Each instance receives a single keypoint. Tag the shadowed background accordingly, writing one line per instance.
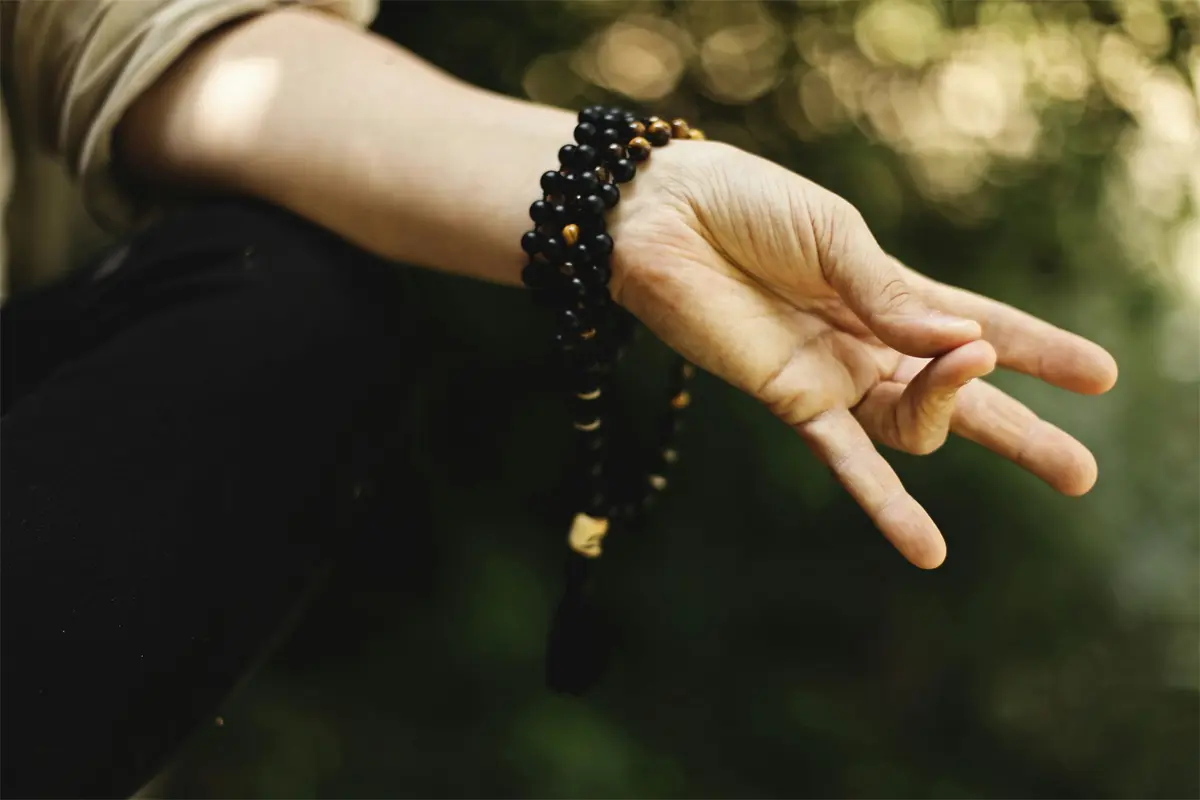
(1047, 154)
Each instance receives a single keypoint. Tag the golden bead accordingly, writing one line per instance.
(587, 426)
(679, 128)
(652, 120)
(696, 133)
(660, 126)
(658, 482)
(571, 234)
(592, 395)
(639, 129)
(681, 400)
(590, 333)
(639, 142)
(586, 534)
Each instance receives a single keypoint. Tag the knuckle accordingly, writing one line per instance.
(894, 295)
(837, 227)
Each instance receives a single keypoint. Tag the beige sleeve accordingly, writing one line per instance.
(78, 65)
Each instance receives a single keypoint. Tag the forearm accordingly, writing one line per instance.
(355, 134)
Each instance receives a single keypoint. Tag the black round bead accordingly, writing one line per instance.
(542, 212)
(591, 224)
(671, 426)
(659, 138)
(601, 244)
(563, 342)
(623, 170)
(552, 248)
(610, 194)
(592, 114)
(608, 136)
(581, 254)
(614, 117)
(575, 289)
(566, 155)
(551, 182)
(597, 505)
(561, 216)
(586, 157)
(584, 132)
(531, 242)
(587, 183)
(649, 500)
(595, 274)
(569, 320)
(534, 275)
(598, 297)
(630, 130)
(593, 204)
(613, 152)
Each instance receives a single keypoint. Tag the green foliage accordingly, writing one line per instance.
(774, 644)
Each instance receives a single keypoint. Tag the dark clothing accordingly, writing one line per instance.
(186, 427)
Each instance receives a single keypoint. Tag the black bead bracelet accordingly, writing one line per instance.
(568, 271)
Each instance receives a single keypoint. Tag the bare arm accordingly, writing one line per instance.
(355, 134)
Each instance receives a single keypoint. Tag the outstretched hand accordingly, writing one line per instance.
(777, 286)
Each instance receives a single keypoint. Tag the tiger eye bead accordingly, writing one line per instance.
(659, 133)
(638, 128)
(639, 148)
(696, 134)
(570, 234)
(613, 152)
(680, 128)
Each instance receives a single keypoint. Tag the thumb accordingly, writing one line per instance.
(878, 290)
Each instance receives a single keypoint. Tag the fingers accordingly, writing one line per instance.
(837, 438)
(989, 417)
(1027, 344)
(878, 289)
(916, 417)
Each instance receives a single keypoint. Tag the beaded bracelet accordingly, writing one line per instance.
(569, 270)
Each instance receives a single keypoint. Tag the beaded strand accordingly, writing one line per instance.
(569, 271)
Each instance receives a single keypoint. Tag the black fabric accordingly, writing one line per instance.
(186, 427)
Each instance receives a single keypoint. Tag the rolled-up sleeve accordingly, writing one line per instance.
(78, 65)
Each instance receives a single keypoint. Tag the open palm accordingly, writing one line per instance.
(777, 286)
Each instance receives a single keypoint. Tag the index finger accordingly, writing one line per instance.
(838, 440)
(1027, 344)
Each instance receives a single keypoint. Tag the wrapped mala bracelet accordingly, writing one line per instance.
(569, 271)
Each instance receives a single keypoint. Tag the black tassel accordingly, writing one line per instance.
(580, 641)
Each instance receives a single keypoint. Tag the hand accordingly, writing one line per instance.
(777, 285)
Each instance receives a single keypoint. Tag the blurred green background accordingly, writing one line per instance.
(1047, 154)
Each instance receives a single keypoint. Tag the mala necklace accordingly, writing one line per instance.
(568, 271)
